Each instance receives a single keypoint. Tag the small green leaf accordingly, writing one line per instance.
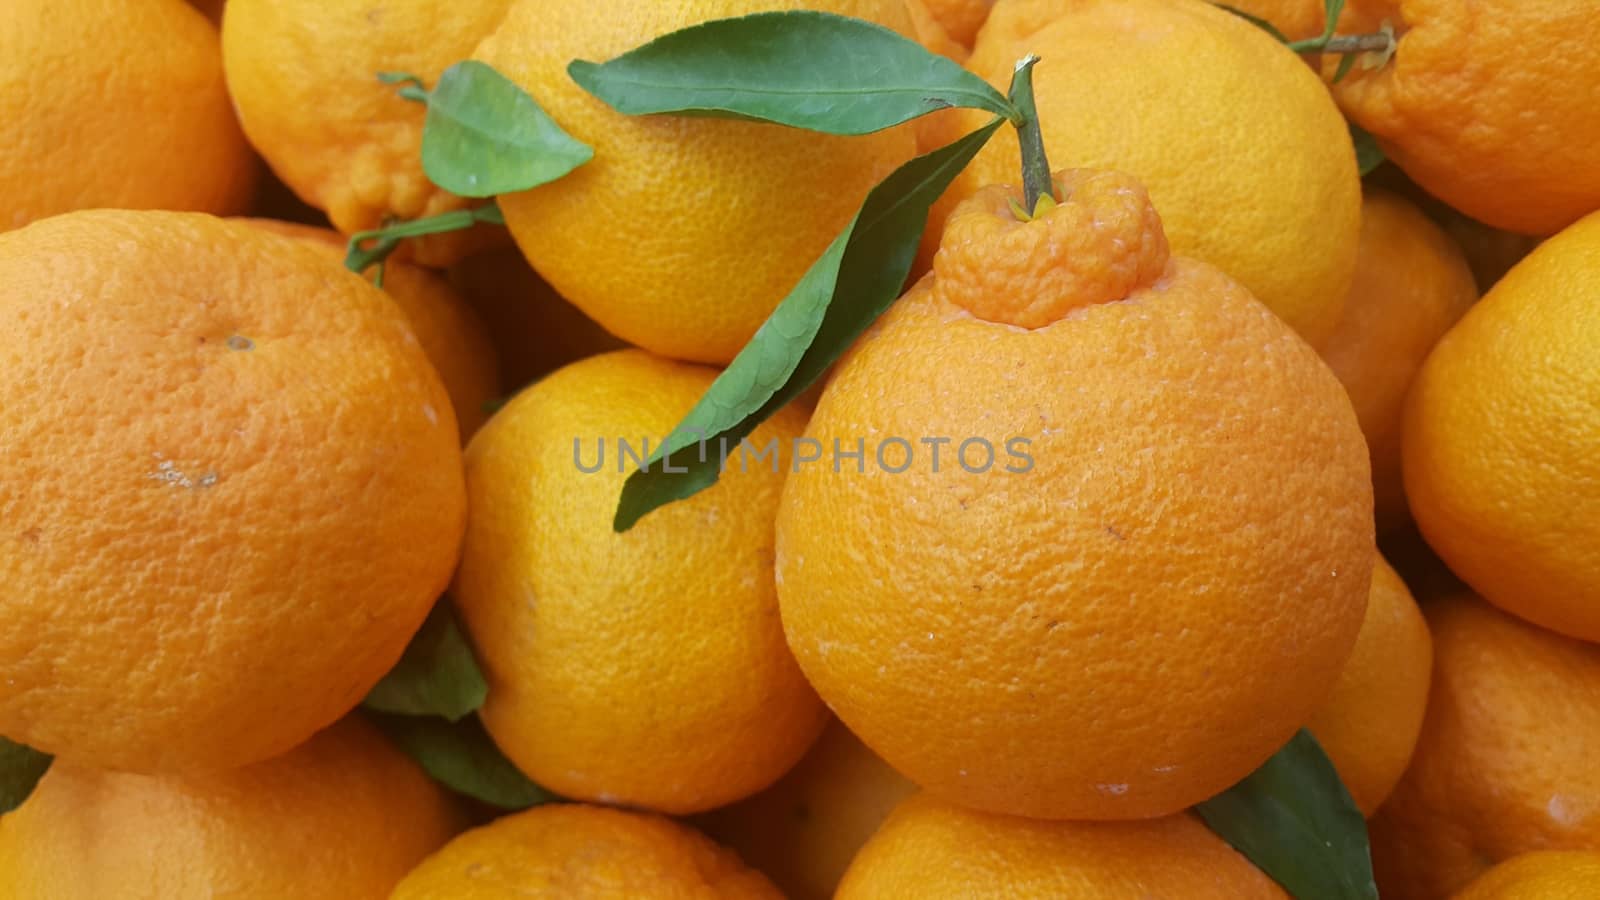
(1331, 11)
(1369, 155)
(1346, 63)
(359, 256)
(20, 769)
(1257, 21)
(843, 292)
(437, 675)
(462, 757)
(1294, 819)
(484, 135)
(805, 69)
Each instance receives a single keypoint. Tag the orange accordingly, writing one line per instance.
(930, 32)
(1485, 104)
(1490, 252)
(212, 8)
(1247, 159)
(646, 668)
(1411, 285)
(234, 490)
(1294, 19)
(1549, 875)
(534, 330)
(1500, 433)
(304, 76)
(960, 19)
(1143, 554)
(1369, 725)
(584, 853)
(343, 817)
(804, 830)
(109, 104)
(1505, 763)
(931, 850)
(683, 233)
(449, 331)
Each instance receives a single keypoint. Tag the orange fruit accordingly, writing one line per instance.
(960, 19)
(111, 104)
(1411, 285)
(343, 817)
(666, 238)
(1547, 875)
(1369, 725)
(584, 853)
(1251, 171)
(932, 850)
(235, 490)
(1490, 252)
(449, 331)
(1505, 761)
(1294, 19)
(304, 76)
(1530, 162)
(804, 830)
(930, 33)
(211, 8)
(1499, 438)
(1142, 558)
(646, 668)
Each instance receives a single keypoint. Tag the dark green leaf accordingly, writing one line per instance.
(843, 292)
(20, 769)
(805, 69)
(1331, 11)
(1259, 22)
(1294, 819)
(1369, 155)
(437, 676)
(462, 757)
(486, 136)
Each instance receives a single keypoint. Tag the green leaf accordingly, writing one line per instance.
(437, 676)
(20, 769)
(805, 69)
(486, 136)
(1294, 819)
(1257, 21)
(462, 757)
(1369, 155)
(1346, 63)
(843, 292)
(1331, 11)
(359, 256)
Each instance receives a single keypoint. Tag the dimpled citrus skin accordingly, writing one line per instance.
(1505, 763)
(235, 490)
(931, 850)
(303, 74)
(1251, 170)
(960, 19)
(1485, 104)
(804, 830)
(1546, 875)
(449, 331)
(664, 237)
(1295, 19)
(343, 817)
(134, 115)
(1135, 619)
(646, 668)
(1411, 285)
(1500, 432)
(574, 852)
(1369, 725)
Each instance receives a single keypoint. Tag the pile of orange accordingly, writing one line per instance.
(1128, 488)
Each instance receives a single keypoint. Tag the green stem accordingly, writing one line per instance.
(1036, 178)
(360, 257)
(1380, 41)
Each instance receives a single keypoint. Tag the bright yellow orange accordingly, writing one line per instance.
(109, 104)
(804, 830)
(682, 234)
(646, 668)
(1411, 285)
(1369, 725)
(584, 853)
(1500, 433)
(343, 817)
(1129, 611)
(304, 76)
(1505, 763)
(1485, 103)
(449, 331)
(1252, 169)
(931, 850)
(1547, 875)
(234, 490)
